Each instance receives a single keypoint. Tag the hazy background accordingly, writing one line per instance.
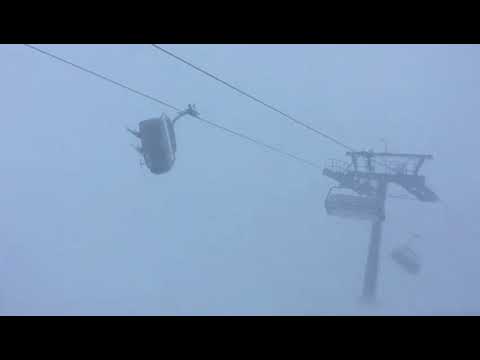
(233, 228)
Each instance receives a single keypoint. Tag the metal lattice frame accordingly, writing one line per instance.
(368, 176)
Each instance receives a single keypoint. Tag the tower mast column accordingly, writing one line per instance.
(372, 266)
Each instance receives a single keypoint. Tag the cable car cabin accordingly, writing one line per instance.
(158, 144)
(345, 203)
(406, 258)
(158, 140)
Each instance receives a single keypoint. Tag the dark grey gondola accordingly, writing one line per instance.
(159, 144)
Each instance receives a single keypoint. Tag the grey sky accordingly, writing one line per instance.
(233, 228)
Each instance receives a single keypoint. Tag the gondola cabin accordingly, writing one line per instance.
(407, 259)
(158, 140)
(345, 203)
(158, 144)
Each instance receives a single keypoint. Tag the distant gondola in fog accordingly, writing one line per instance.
(407, 258)
(158, 141)
(344, 202)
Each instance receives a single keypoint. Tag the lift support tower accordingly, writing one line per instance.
(361, 194)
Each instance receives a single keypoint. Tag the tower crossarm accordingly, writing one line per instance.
(415, 185)
(360, 182)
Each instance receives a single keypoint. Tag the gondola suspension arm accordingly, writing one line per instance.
(190, 110)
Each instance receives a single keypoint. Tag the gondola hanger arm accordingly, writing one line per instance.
(190, 110)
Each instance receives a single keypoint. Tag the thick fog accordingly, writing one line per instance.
(233, 228)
